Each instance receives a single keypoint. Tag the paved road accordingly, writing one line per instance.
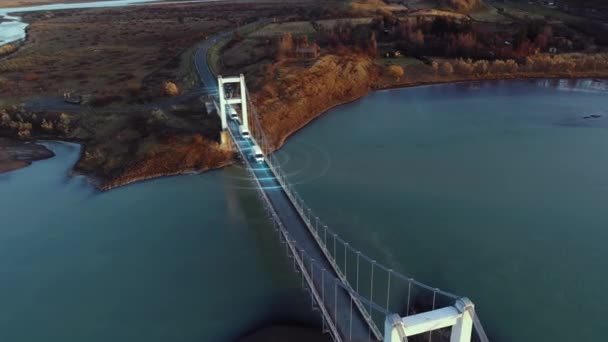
(351, 324)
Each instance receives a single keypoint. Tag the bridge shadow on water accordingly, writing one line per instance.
(287, 315)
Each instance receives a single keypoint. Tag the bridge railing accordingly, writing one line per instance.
(376, 290)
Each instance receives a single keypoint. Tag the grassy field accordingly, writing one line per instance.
(23, 3)
(401, 61)
(331, 23)
(374, 6)
(489, 14)
(127, 53)
(526, 9)
(278, 29)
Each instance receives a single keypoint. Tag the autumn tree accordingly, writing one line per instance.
(396, 71)
(446, 69)
(171, 89)
(286, 46)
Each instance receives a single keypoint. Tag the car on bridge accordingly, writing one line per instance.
(234, 115)
(244, 132)
(257, 154)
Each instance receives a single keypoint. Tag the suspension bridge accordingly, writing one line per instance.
(358, 298)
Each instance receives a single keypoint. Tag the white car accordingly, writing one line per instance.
(257, 154)
(234, 116)
(244, 132)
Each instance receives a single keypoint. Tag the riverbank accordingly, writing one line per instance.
(343, 101)
(121, 148)
(200, 156)
(297, 97)
(18, 154)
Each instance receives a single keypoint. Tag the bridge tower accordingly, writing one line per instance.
(460, 317)
(227, 103)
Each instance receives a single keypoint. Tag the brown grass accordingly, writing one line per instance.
(293, 94)
(104, 51)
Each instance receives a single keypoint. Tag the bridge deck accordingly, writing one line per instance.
(337, 300)
(350, 323)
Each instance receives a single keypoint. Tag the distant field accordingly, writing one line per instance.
(402, 61)
(437, 13)
(277, 29)
(328, 24)
(370, 6)
(23, 3)
(531, 10)
(298, 28)
(107, 52)
(489, 14)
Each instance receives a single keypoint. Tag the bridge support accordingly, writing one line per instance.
(222, 111)
(227, 103)
(459, 317)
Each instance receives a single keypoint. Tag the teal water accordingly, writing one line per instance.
(188, 258)
(491, 190)
(495, 190)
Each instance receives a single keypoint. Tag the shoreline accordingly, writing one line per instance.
(15, 154)
(283, 139)
(152, 176)
(110, 185)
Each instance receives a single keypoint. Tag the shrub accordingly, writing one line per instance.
(63, 123)
(446, 69)
(47, 125)
(157, 116)
(435, 66)
(8, 48)
(171, 89)
(396, 71)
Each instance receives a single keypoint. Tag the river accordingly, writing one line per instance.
(493, 190)
(188, 258)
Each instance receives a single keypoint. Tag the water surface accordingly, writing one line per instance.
(189, 258)
(492, 190)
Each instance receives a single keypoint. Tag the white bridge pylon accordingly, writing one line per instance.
(242, 100)
(460, 317)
